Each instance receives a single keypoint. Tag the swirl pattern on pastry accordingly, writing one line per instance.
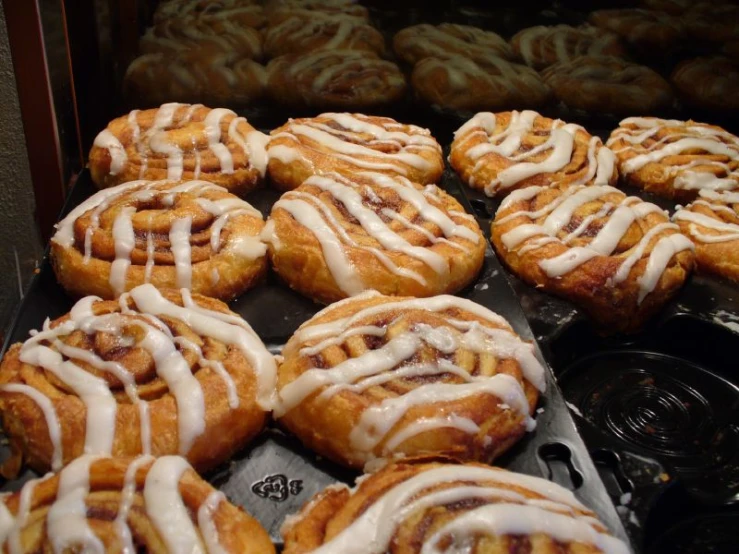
(335, 79)
(709, 83)
(498, 153)
(98, 504)
(617, 257)
(459, 83)
(348, 143)
(712, 223)
(610, 85)
(336, 236)
(412, 44)
(278, 11)
(191, 235)
(650, 32)
(156, 372)
(180, 142)
(177, 9)
(379, 377)
(675, 159)
(425, 506)
(542, 46)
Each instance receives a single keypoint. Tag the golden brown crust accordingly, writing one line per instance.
(349, 143)
(383, 377)
(435, 260)
(459, 83)
(412, 44)
(652, 33)
(708, 83)
(620, 268)
(675, 159)
(180, 142)
(120, 342)
(712, 223)
(235, 530)
(611, 85)
(549, 152)
(340, 509)
(335, 79)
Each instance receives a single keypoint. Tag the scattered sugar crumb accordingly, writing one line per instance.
(633, 520)
(575, 409)
(728, 324)
(504, 406)
(625, 499)
(483, 286)
(727, 315)
(540, 411)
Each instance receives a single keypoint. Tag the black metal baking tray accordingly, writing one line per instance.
(275, 475)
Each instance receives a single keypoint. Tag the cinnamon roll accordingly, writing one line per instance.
(191, 235)
(708, 83)
(650, 33)
(180, 141)
(348, 143)
(461, 84)
(278, 11)
(99, 504)
(335, 79)
(337, 236)
(617, 257)
(302, 34)
(192, 77)
(156, 372)
(610, 85)
(712, 22)
(412, 44)
(675, 159)
(380, 377)
(498, 153)
(177, 9)
(712, 223)
(542, 46)
(427, 506)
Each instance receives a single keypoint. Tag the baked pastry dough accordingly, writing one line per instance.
(412, 44)
(712, 223)
(127, 505)
(675, 159)
(498, 153)
(335, 79)
(279, 10)
(650, 33)
(348, 143)
(211, 78)
(709, 83)
(712, 22)
(191, 235)
(542, 46)
(180, 141)
(305, 34)
(427, 506)
(461, 84)
(335, 236)
(177, 9)
(156, 372)
(617, 257)
(610, 85)
(380, 377)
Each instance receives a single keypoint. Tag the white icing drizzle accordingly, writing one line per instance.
(721, 231)
(207, 526)
(179, 238)
(566, 42)
(127, 496)
(117, 151)
(125, 241)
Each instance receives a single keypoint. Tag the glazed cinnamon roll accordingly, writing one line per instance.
(617, 257)
(180, 141)
(675, 159)
(380, 377)
(191, 235)
(412, 44)
(177, 9)
(155, 372)
(650, 33)
(498, 153)
(461, 84)
(349, 143)
(709, 83)
(712, 223)
(335, 79)
(608, 85)
(542, 46)
(278, 11)
(99, 504)
(430, 507)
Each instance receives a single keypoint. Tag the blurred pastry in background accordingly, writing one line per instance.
(461, 84)
(279, 10)
(335, 79)
(675, 159)
(217, 79)
(412, 44)
(649, 33)
(542, 46)
(335, 32)
(712, 22)
(673, 7)
(709, 83)
(174, 9)
(500, 152)
(610, 85)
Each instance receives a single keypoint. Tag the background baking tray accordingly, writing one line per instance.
(274, 476)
